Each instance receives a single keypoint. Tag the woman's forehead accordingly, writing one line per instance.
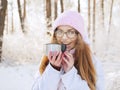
(65, 27)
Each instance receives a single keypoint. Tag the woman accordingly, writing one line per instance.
(76, 68)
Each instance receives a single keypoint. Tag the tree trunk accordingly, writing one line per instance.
(62, 7)
(110, 16)
(7, 21)
(102, 8)
(24, 12)
(20, 15)
(55, 9)
(89, 20)
(48, 12)
(78, 5)
(3, 9)
(12, 21)
(24, 15)
(94, 12)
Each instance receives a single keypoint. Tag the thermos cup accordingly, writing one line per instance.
(55, 47)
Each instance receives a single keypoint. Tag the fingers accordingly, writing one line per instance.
(65, 60)
(55, 58)
(68, 59)
(59, 58)
(55, 54)
(49, 56)
(69, 56)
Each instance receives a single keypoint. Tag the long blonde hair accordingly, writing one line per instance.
(83, 62)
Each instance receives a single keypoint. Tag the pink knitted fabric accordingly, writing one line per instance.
(73, 19)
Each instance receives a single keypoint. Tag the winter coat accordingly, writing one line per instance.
(52, 79)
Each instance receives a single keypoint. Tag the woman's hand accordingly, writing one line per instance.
(55, 59)
(68, 61)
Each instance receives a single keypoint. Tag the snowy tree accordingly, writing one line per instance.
(3, 8)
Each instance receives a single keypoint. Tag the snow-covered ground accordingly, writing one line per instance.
(17, 77)
(21, 77)
(112, 75)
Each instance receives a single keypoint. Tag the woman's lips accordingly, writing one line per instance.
(68, 46)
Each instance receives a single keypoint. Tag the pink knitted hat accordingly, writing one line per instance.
(73, 19)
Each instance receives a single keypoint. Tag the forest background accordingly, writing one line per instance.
(26, 26)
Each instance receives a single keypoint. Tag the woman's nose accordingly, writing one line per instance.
(64, 37)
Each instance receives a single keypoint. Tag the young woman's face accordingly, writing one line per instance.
(66, 35)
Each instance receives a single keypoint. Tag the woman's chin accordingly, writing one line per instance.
(68, 49)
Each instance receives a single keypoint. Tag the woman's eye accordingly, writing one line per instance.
(71, 32)
(59, 31)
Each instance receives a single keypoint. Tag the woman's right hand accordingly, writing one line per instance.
(55, 59)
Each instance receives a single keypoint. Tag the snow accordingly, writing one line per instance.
(22, 51)
(17, 77)
(112, 75)
(21, 76)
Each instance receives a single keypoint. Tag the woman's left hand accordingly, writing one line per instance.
(68, 61)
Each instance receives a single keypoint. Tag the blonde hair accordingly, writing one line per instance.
(83, 62)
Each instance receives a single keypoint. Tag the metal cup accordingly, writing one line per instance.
(52, 47)
(55, 47)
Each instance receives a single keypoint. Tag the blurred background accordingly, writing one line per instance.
(26, 26)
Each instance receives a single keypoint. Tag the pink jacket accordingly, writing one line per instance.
(52, 79)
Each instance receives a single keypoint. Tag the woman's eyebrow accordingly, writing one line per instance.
(71, 29)
(67, 29)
